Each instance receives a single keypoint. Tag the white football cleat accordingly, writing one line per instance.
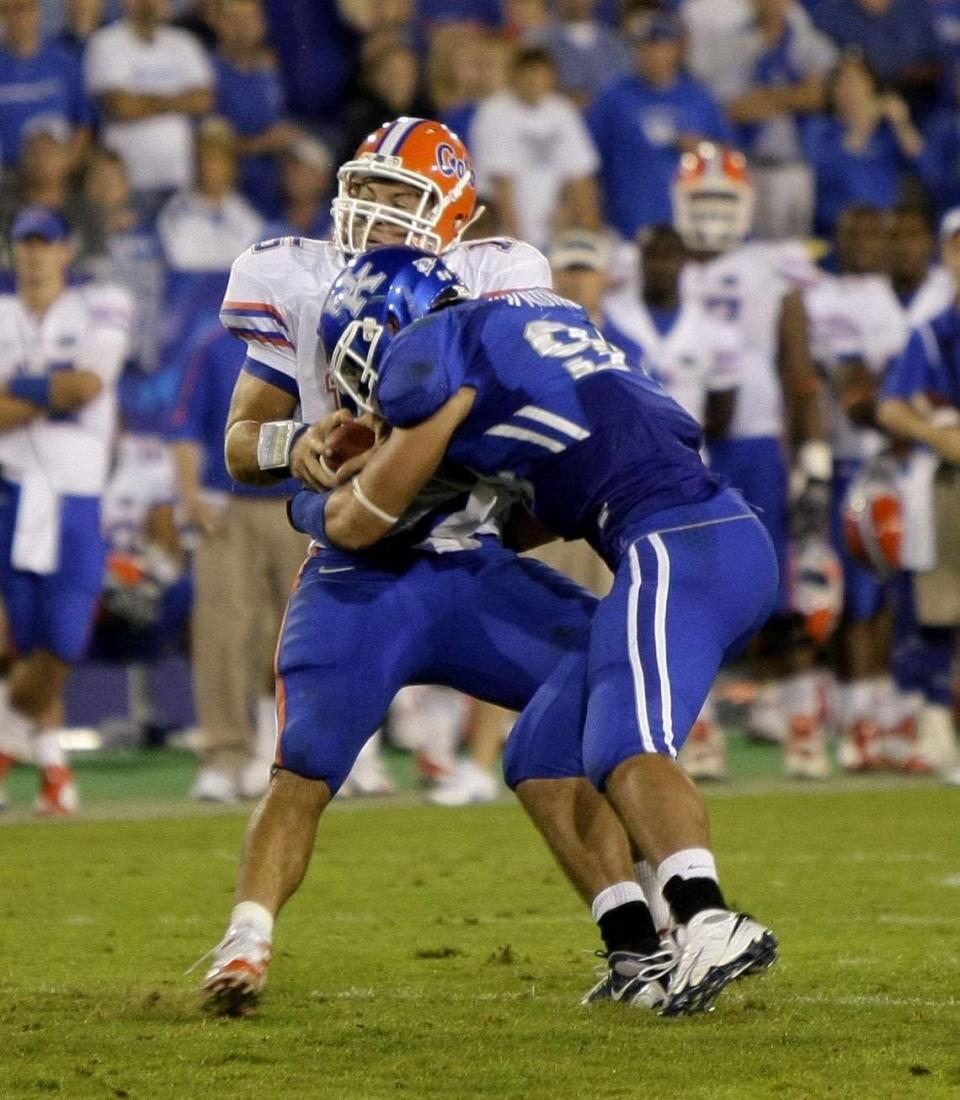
(717, 946)
(704, 756)
(805, 753)
(239, 972)
(213, 785)
(637, 980)
(468, 784)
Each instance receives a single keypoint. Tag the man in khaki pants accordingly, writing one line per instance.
(245, 562)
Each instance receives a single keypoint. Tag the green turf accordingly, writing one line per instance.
(437, 953)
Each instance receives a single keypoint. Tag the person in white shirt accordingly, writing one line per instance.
(535, 159)
(203, 228)
(61, 350)
(150, 81)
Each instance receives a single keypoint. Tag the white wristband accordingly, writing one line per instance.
(275, 443)
(815, 459)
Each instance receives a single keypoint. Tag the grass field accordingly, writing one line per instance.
(438, 953)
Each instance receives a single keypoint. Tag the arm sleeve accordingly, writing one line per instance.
(105, 69)
(197, 72)
(107, 343)
(253, 311)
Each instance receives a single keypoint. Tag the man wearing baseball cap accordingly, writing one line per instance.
(60, 354)
(643, 122)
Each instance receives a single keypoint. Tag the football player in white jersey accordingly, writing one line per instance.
(410, 182)
(857, 326)
(757, 286)
(694, 355)
(697, 358)
(923, 286)
(61, 350)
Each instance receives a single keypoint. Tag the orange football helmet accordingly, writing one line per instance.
(713, 199)
(816, 587)
(873, 517)
(422, 154)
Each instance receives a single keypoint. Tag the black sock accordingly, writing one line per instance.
(689, 896)
(629, 927)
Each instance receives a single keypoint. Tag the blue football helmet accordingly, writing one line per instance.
(376, 295)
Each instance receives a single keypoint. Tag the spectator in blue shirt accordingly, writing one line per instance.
(588, 55)
(642, 124)
(250, 95)
(40, 83)
(859, 149)
(896, 37)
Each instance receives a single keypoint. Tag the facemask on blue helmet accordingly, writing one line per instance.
(377, 295)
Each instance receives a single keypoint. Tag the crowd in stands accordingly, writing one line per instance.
(171, 135)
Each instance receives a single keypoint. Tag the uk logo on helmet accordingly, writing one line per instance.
(449, 163)
(355, 289)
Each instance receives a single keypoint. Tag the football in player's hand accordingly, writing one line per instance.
(347, 441)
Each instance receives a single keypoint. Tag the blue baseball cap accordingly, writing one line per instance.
(39, 221)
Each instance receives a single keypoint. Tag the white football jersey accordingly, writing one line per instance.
(699, 355)
(854, 316)
(277, 290)
(746, 288)
(143, 478)
(86, 328)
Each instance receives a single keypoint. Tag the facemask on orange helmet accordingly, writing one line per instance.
(423, 155)
(816, 587)
(713, 199)
(873, 517)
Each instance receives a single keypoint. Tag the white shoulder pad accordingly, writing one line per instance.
(268, 285)
(498, 263)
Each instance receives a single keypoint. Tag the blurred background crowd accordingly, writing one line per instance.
(173, 134)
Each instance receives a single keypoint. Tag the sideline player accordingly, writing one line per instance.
(757, 286)
(521, 386)
(857, 326)
(425, 614)
(61, 350)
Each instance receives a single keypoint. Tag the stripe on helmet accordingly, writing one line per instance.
(398, 133)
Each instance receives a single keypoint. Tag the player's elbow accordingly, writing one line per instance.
(349, 536)
(888, 415)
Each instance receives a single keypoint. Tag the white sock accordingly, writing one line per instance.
(690, 863)
(800, 697)
(49, 751)
(253, 915)
(613, 896)
(657, 903)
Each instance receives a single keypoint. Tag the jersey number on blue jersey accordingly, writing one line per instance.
(583, 352)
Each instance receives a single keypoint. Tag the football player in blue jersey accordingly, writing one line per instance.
(521, 389)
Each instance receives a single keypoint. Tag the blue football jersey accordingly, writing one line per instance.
(593, 442)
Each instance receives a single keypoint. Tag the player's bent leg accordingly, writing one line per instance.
(276, 853)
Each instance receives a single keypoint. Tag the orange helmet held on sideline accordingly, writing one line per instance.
(713, 199)
(873, 518)
(816, 587)
(422, 154)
